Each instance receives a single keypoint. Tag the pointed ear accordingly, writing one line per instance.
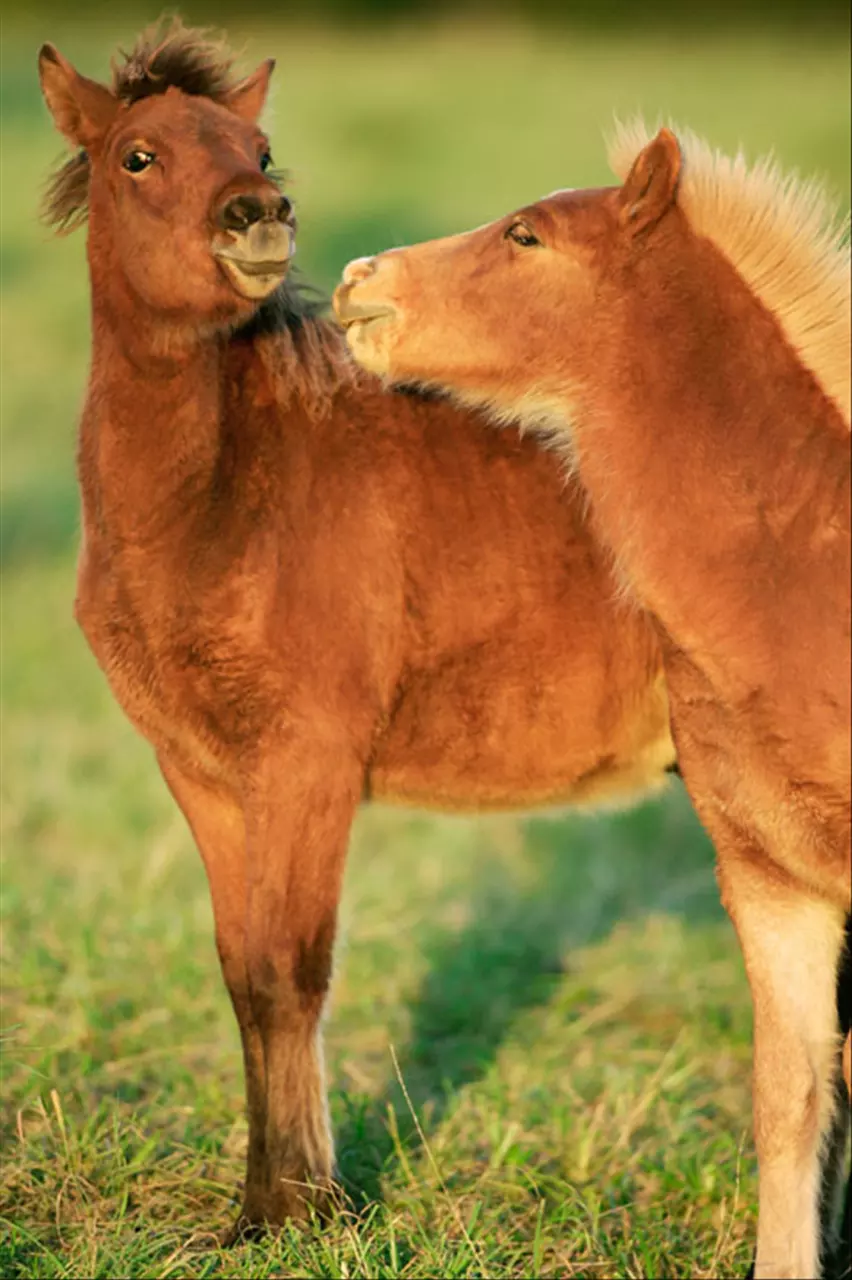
(247, 98)
(651, 185)
(81, 108)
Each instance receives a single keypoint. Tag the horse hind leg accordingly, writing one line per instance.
(835, 1190)
(836, 1187)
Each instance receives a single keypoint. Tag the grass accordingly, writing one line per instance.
(539, 1036)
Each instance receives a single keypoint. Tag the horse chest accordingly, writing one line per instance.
(184, 685)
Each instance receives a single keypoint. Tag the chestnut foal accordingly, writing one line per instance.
(303, 589)
(686, 338)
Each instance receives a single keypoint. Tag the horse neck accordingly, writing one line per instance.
(152, 424)
(718, 462)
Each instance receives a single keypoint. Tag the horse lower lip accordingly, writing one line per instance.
(274, 268)
(349, 321)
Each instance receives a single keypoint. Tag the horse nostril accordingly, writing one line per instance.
(241, 212)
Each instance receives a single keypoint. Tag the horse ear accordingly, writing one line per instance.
(81, 108)
(651, 185)
(247, 98)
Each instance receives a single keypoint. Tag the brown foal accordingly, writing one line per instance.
(685, 337)
(304, 589)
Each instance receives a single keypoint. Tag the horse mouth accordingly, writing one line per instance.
(369, 336)
(356, 317)
(277, 267)
(358, 326)
(252, 277)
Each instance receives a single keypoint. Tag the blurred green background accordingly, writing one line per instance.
(565, 996)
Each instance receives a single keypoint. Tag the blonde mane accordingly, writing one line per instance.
(781, 234)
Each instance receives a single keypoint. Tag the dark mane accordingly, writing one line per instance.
(302, 349)
(313, 354)
(166, 55)
(285, 310)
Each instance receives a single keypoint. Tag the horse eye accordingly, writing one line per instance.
(138, 160)
(265, 161)
(521, 234)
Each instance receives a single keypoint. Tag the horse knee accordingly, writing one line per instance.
(232, 960)
(312, 964)
(289, 979)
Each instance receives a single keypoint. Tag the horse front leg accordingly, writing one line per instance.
(791, 942)
(217, 823)
(299, 808)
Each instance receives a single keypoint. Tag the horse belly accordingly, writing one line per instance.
(473, 736)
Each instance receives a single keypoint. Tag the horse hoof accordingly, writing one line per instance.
(316, 1207)
(243, 1231)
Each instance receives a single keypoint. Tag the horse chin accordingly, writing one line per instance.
(370, 341)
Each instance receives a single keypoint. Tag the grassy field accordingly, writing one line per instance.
(562, 1000)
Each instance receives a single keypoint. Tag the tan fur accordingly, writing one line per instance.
(782, 234)
(692, 326)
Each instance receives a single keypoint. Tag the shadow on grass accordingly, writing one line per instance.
(582, 876)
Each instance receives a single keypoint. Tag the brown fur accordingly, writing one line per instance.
(684, 337)
(304, 590)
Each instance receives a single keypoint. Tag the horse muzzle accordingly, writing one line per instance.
(256, 258)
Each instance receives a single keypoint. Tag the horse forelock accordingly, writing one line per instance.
(169, 55)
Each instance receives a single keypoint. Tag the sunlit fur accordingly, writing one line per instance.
(783, 235)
